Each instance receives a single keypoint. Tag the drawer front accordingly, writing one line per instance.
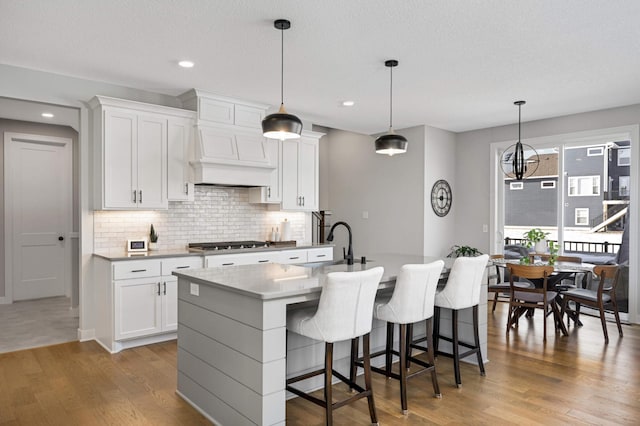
(242, 259)
(320, 254)
(293, 256)
(180, 264)
(136, 269)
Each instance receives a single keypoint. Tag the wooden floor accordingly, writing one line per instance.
(571, 380)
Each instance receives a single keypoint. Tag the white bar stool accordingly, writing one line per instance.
(412, 301)
(343, 313)
(462, 291)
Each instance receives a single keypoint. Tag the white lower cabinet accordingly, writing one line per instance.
(139, 300)
(138, 307)
(293, 256)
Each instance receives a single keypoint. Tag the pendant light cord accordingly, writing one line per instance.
(391, 98)
(519, 118)
(282, 66)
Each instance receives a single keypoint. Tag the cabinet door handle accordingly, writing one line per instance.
(186, 188)
(158, 289)
(135, 193)
(138, 270)
(164, 288)
(302, 199)
(182, 267)
(141, 196)
(321, 255)
(263, 261)
(294, 258)
(269, 192)
(227, 264)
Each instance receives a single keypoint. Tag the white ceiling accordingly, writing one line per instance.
(462, 62)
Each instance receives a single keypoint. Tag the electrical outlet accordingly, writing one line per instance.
(194, 289)
(485, 228)
(365, 214)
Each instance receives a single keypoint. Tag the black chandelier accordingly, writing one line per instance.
(513, 161)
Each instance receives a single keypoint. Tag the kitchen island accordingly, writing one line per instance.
(232, 343)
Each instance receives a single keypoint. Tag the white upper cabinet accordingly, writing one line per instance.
(273, 192)
(131, 153)
(179, 182)
(300, 172)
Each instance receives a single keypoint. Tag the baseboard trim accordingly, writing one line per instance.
(5, 301)
(85, 335)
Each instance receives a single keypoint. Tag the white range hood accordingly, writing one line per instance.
(229, 147)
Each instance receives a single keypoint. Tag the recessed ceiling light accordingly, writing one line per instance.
(47, 115)
(348, 103)
(186, 64)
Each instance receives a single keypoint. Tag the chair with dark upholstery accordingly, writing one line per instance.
(598, 298)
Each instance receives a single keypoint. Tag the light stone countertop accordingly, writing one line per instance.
(122, 254)
(275, 281)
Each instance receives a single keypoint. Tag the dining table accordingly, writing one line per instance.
(562, 270)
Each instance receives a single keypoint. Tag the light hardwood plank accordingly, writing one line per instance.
(575, 379)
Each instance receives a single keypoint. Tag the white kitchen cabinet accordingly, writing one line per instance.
(137, 307)
(293, 256)
(300, 173)
(322, 254)
(273, 192)
(130, 153)
(253, 258)
(179, 140)
(139, 300)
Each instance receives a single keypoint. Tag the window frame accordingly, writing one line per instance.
(599, 149)
(594, 179)
(576, 216)
(513, 186)
(552, 182)
(626, 156)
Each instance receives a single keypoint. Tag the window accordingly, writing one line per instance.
(624, 157)
(547, 184)
(582, 216)
(580, 186)
(623, 186)
(516, 185)
(595, 151)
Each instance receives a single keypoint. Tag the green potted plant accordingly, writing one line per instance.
(536, 238)
(153, 238)
(464, 251)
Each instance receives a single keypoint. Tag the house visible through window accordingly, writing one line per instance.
(623, 186)
(546, 184)
(516, 185)
(582, 216)
(594, 151)
(584, 186)
(624, 157)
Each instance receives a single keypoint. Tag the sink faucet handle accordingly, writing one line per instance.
(344, 253)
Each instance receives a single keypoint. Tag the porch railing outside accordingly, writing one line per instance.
(576, 246)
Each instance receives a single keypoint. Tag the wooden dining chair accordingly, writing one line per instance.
(604, 294)
(522, 299)
(498, 282)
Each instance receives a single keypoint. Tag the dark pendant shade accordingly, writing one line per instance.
(281, 125)
(391, 143)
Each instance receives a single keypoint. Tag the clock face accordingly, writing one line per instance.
(441, 198)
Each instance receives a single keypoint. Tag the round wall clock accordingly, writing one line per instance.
(441, 197)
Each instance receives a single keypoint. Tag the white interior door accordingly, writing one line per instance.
(38, 215)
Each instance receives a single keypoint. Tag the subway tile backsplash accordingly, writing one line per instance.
(216, 214)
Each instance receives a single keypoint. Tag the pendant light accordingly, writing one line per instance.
(281, 125)
(513, 161)
(391, 143)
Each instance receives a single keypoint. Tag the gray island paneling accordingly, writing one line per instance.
(232, 344)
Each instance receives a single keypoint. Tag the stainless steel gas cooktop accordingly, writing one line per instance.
(226, 245)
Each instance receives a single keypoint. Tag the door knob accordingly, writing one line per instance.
(60, 238)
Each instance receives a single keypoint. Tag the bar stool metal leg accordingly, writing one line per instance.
(476, 336)
(367, 378)
(328, 368)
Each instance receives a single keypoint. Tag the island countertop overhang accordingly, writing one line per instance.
(276, 281)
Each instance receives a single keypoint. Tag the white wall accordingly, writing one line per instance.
(394, 191)
(473, 166)
(440, 163)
